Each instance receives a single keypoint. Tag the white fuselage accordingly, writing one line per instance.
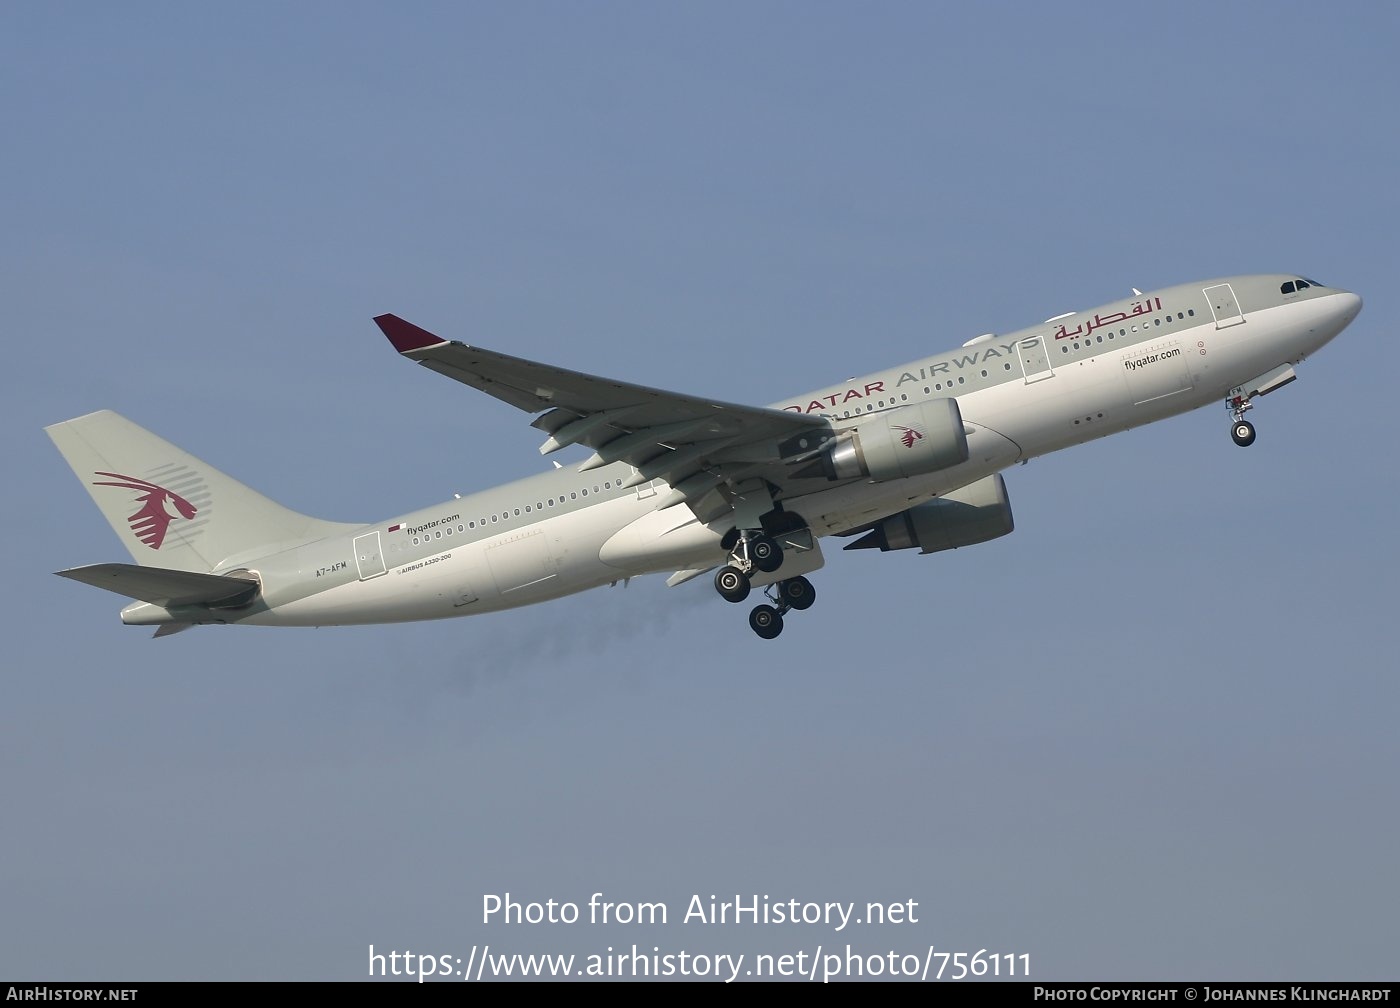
(1032, 392)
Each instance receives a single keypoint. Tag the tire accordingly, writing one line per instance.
(1243, 433)
(732, 584)
(766, 621)
(798, 593)
(765, 553)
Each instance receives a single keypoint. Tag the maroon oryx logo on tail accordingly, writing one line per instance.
(151, 520)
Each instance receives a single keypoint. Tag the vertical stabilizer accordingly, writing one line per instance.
(169, 508)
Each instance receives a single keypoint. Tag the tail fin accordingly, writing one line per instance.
(170, 509)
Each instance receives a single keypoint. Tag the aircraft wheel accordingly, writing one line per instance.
(765, 553)
(1243, 433)
(798, 593)
(732, 584)
(766, 621)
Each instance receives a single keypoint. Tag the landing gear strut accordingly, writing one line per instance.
(752, 551)
(1241, 430)
(794, 593)
(757, 551)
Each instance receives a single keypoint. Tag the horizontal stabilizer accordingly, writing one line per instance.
(163, 587)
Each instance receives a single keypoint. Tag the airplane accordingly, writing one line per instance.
(909, 457)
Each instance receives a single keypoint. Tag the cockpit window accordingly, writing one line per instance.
(1309, 283)
(1288, 288)
(1302, 284)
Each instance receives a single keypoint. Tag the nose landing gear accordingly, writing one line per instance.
(1243, 433)
(1241, 430)
(1240, 401)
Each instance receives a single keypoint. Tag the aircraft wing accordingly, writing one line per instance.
(694, 444)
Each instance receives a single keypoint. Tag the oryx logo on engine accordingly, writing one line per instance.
(910, 435)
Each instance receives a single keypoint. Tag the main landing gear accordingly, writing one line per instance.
(1241, 430)
(757, 551)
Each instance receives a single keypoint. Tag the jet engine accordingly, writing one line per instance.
(976, 513)
(894, 444)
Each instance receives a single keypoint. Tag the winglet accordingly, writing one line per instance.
(406, 336)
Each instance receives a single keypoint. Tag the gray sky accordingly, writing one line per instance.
(1148, 736)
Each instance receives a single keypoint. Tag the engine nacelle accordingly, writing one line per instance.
(894, 444)
(978, 512)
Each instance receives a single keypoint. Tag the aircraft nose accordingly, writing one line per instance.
(1351, 304)
(1345, 305)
